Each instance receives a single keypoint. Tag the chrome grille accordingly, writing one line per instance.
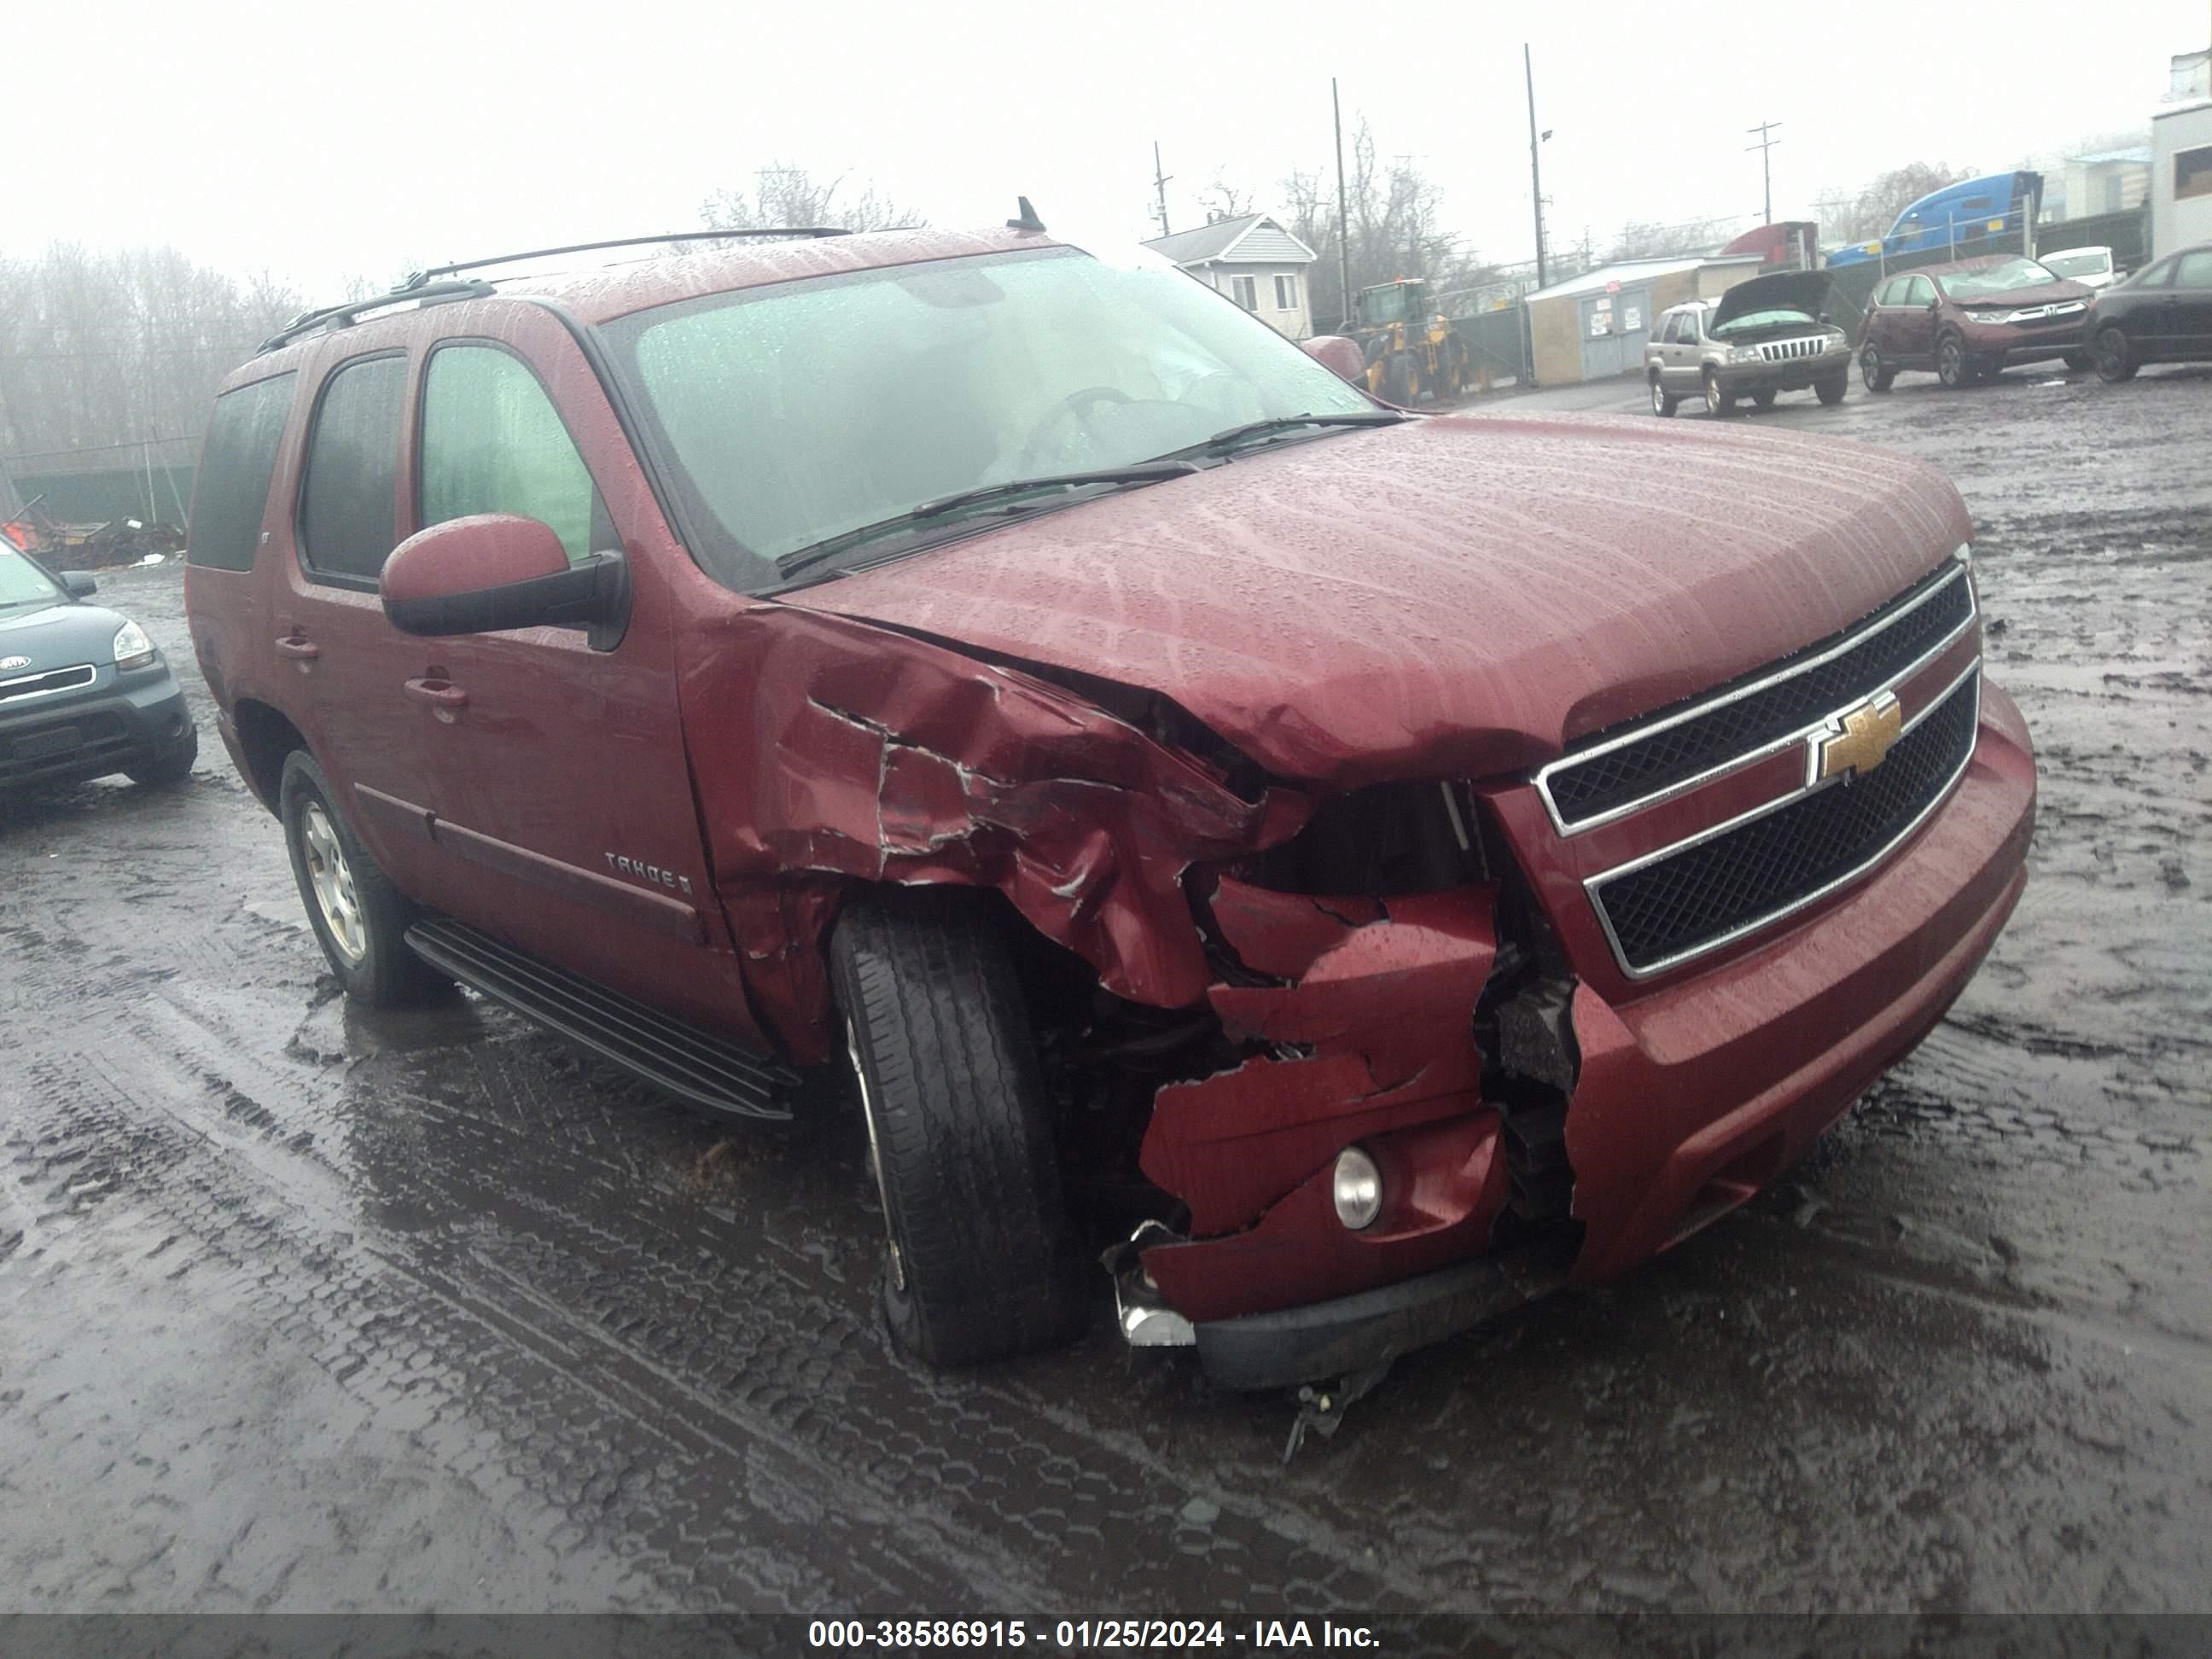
(1718, 886)
(1783, 351)
(1664, 753)
(38, 685)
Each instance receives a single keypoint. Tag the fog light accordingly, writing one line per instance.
(1358, 1188)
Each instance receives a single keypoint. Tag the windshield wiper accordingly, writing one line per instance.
(1236, 434)
(805, 558)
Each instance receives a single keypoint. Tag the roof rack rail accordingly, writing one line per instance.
(419, 285)
(416, 279)
(345, 316)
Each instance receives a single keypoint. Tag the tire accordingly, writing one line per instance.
(1874, 372)
(1398, 379)
(1954, 366)
(362, 925)
(172, 766)
(1662, 401)
(1763, 398)
(2116, 354)
(982, 1263)
(1716, 401)
(1832, 390)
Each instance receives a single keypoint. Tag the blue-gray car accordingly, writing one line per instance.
(83, 691)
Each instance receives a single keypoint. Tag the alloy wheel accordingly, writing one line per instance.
(2112, 348)
(331, 877)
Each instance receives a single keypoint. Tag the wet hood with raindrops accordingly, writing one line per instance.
(1461, 596)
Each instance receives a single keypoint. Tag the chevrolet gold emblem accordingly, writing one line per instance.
(1868, 732)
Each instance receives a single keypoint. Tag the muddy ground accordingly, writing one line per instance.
(301, 1309)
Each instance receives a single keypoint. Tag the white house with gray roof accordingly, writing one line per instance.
(1254, 261)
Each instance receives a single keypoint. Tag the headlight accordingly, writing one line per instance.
(132, 648)
(1990, 318)
(1358, 1188)
(1743, 354)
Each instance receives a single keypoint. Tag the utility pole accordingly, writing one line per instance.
(1765, 161)
(1160, 185)
(1535, 172)
(1343, 239)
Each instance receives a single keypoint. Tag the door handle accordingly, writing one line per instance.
(446, 699)
(292, 645)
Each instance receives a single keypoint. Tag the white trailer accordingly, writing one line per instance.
(2180, 175)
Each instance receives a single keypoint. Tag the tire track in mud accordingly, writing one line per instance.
(742, 1357)
(639, 1378)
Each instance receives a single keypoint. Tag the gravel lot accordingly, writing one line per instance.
(306, 1310)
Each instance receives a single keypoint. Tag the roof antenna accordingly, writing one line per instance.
(1028, 221)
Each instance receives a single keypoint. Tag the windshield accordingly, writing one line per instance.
(795, 412)
(2094, 264)
(1778, 317)
(1997, 279)
(23, 582)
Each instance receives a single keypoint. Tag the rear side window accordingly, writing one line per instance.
(235, 467)
(353, 471)
(493, 442)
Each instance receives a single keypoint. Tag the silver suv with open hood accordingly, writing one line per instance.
(1769, 335)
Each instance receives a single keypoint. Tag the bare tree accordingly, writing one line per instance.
(1642, 240)
(102, 352)
(1223, 200)
(1875, 209)
(784, 195)
(1393, 228)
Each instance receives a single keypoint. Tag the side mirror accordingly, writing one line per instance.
(1934, 306)
(1340, 356)
(493, 571)
(80, 584)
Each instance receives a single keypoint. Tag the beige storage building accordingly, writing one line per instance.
(1595, 325)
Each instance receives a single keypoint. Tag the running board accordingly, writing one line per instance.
(695, 1065)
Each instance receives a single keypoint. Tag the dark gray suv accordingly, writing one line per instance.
(83, 692)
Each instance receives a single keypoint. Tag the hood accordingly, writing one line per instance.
(1786, 290)
(2042, 294)
(1459, 596)
(60, 635)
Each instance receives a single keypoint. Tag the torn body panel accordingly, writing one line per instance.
(844, 753)
(1369, 1040)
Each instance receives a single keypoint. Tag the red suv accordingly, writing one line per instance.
(1372, 867)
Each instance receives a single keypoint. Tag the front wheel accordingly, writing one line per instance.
(982, 1262)
(1831, 390)
(1877, 374)
(1717, 402)
(172, 766)
(358, 916)
(1663, 402)
(2116, 356)
(1953, 366)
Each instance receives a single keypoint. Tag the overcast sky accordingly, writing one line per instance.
(323, 142)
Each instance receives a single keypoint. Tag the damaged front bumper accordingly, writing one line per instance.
(1682, 1096)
